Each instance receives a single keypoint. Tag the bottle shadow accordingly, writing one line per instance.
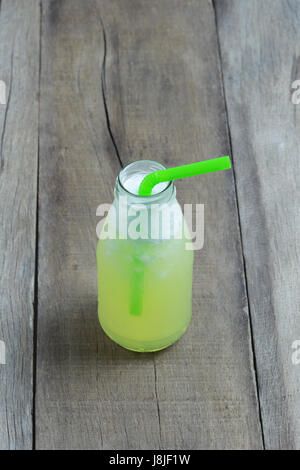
(74, 337)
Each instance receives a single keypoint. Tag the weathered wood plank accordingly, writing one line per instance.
(164, 95)
(164, 101)
(19, 69)
(260, 44)
(90, 393)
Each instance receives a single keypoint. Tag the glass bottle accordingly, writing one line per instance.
(144, 268)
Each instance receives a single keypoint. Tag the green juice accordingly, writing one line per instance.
(145, 291)
(144, 266)
(145, 258)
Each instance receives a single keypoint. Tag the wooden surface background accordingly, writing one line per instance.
(91, 86)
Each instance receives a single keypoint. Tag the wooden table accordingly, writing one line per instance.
(91, 86)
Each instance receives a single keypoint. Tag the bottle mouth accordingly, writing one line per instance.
(132, 175)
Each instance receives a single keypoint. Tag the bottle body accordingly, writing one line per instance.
(145, 287)
(166, 292)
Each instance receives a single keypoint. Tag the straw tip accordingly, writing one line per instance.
(147, 184)
(227, 161)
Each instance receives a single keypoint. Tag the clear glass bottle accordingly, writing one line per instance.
(144, 268)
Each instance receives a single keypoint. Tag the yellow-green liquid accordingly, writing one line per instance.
(145, 291)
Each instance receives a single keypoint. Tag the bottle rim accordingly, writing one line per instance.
(152, 197)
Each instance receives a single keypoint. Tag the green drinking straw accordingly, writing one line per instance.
(184, 171)
(145, 189)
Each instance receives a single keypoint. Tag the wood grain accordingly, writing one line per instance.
(260, 44)
(165, 101)
(126, 80)
(91, 394)
(19, 69)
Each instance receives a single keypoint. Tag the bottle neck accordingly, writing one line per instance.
(162, 194)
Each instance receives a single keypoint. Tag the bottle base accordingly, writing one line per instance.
(145, 346)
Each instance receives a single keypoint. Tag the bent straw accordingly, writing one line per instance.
(145, 189)
(137, 284)
(184, 171)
